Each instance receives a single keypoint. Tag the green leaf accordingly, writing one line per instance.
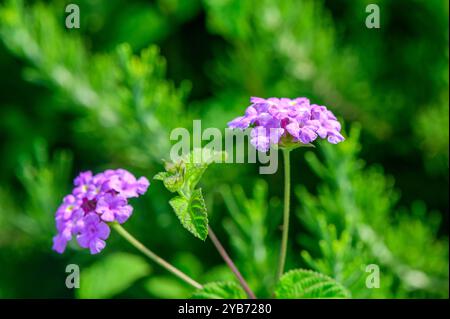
(192, 213)
(184, 175)
(161, 176)
(220, 290)
(301, 283)
(111, 275)
(172, 182)
(167, 287)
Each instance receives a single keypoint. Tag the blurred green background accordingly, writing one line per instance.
(107, 95)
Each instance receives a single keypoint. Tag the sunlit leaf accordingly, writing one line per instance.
(301, 283)
(220, 290)
(111, 275)
(192, 213)
(167, 287)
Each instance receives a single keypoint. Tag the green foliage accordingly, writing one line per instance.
(251, 227)
(111, 275)
(43, 180)
(220, 290)
(173, 179)
(432, 132)
(301, 283)
(167, 287)
(192, 213)
(350, 224)
(182, 176)
(124, 100)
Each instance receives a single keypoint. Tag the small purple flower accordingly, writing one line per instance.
(126, 184)
(69, 205)
(82, 183)
(306, 133)
(66, 226)
(95, 201)
(59, 243)
(260, 139)
(113, 208)
(93, 234)
(96, 186)
(283, 121)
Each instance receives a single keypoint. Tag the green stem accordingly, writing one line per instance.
(147, 252)
(285, 231)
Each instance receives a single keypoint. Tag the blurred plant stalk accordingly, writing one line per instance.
(147, 252)
(230, 263)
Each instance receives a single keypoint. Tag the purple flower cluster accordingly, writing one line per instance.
(278, 120)
(96, 200)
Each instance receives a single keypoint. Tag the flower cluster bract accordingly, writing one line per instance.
(278, 119)
(96, 200)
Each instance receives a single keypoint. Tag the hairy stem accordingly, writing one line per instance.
(147, 252)
(285, 231)
(230, 263)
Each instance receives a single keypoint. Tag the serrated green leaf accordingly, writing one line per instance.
(160, 176)
(172, 181)
(192, 213)
(220, 290)
(184, 175)
(301, 283)
(111, 275)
